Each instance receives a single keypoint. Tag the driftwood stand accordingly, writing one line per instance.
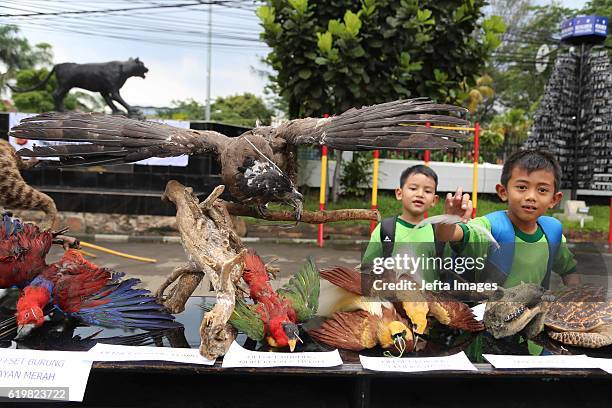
(214, 249)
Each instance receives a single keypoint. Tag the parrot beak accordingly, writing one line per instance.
(293, 335)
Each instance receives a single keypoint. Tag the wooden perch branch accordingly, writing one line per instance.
(310, 217)
(213, 248)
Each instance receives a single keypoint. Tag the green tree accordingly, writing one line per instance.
(480, 98)
(188, 109)
(517, 83)
(40, 100)
(510, 128)
(333, 56)
(245, 109)
(356, 174)
(16, 53)
(242, 109)
(330, 57)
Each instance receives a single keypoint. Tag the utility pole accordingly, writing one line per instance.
(208, 67)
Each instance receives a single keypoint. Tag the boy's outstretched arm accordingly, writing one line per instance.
(457, 204)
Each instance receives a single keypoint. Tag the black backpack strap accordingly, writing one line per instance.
(387, 236)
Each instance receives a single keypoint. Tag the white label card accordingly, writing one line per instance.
(454, 362)
(38, 369)
(238, 356)
(111, 352)
(603, 363)
(552, 361)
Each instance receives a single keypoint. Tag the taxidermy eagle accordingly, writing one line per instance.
(258, 167)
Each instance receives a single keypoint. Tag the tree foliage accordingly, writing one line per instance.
(40, 100)
(517, 83)
(506, 131)
(243, 109)
(188, 109)
(356, 174)
(16, 53)
(480, 97)
(333, 56)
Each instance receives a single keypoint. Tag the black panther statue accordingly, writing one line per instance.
(106, 78)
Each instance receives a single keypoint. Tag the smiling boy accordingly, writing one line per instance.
(417, 192)
(531, 244)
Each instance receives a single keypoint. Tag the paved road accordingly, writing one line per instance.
(595, 267)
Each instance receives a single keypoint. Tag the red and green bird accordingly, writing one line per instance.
(23, 248)
(274, 316)
(90, 295)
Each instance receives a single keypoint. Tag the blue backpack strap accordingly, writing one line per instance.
(503, 232)
(553, 230)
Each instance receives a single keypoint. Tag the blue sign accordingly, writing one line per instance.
(584, 26)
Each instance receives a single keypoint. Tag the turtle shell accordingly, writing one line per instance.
(579, 309)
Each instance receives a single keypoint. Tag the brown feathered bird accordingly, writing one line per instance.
(357, 322)
(258, 166)
(441, 306)
(360, 330)
(349, 286)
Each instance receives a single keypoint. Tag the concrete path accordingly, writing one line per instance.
(594, 264)
(289, 258)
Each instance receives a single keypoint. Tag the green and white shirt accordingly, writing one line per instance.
(530, 255)
(408, 239)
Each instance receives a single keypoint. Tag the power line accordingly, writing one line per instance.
(152, 40)
(107, 11)
(154, 29)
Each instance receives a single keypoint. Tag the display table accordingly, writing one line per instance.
(167, 384)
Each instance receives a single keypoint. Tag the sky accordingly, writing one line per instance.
(171, 41)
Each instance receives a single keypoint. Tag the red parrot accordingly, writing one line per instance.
(23, 248)
(91, 295)
(275, 314)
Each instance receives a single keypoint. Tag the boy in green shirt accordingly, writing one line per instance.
(417, 192)
(530, 185)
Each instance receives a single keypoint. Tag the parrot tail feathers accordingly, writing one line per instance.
(121, 305)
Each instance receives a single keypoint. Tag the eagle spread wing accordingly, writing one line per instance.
(255, 166)
(110, 139)
(397, 125)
